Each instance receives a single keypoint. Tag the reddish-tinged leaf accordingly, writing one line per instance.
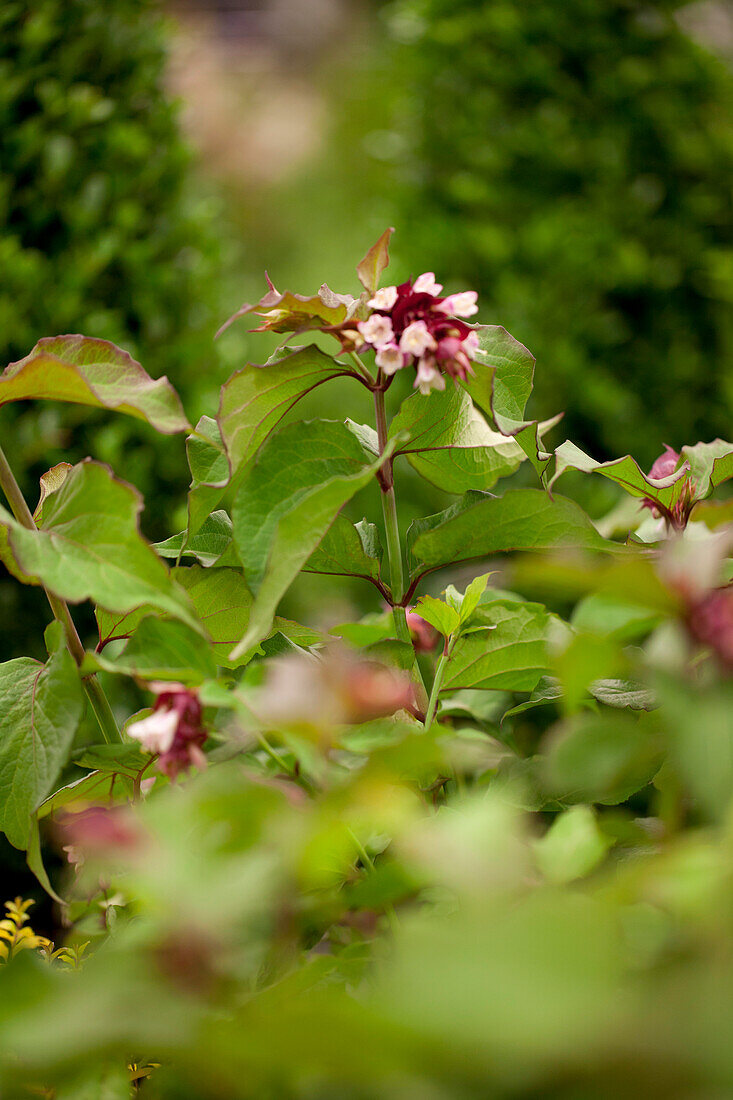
(376, 260)
(93, 372)
(290, 312)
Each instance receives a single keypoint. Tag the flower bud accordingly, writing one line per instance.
(424, 636)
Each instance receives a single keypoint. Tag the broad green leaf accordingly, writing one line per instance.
(625, 472)
(585, 658)
(479, 525)
(96, 786)
(222, 602)
(369, 630)
(50, 482)
(286, 503)
(547, 691)
(90, 547)
(442, 616)
(699, 725)
(710, 465)
(604, 613)
(40, 709)
(376, 260)
(602, 758)
(209, 466)
(505, 387)
(160, 649)
(93, 372)
(624, 693)
(348, 549)
(256, 398)
(127, 759)
(572, 847)
(450, 443)
(509, 654)
(211, 545)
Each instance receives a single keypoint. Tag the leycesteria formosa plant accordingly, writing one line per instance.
(193, 620)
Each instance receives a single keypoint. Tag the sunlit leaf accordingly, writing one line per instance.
(508, 654)
(376, 260)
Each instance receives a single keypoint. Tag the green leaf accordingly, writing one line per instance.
(223, 602)
(605, 613)
(95, 786)
(572, 847)
(509, 654)
(348, 549)
(376, 260)
(93, 372)
(90, 547)
(624, 471)
(440, 615)
(160, 649)
(472, 596)
(286, 503)
(585, 657)
(40, 709)
(504, 388)
(547, 691)
(256, 398)
(710, 465)
(450, 443)
(209, 466)
(211, 545)
(127, 759)
(624, 693)
(602, 758)
(480, 524)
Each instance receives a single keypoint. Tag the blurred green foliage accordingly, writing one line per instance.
(572, 163)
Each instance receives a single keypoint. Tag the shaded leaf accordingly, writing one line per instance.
(209, 466)
(624, 693)
(348, 549)
(211, 545)
(93, 372)
(287, 501)
(480, 524)
(602, 758)
(40, 709)
(160, 649)
(572, 847)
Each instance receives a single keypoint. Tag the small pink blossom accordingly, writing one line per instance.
(428, 376)
(417, 339)
(384, 299)
(174, 730)
(390, 358)
(426, 284)
(460, 305)
(377, 330)
(677, 516)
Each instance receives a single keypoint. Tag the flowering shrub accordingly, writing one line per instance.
(477, 841)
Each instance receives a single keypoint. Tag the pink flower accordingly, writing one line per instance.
(384, 299)
(173, 731)
(390, 358)
(417, 339)
(377, 330)
(678, 515)
(710, 621)
(426, 284)
(460, 305)
(425, 328)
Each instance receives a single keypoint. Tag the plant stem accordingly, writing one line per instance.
(394, 549)
(437, 684)
(368, 862)
(95, 693)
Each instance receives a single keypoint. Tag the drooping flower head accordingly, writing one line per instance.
(412, 325)
(678, 515)
(174, 730)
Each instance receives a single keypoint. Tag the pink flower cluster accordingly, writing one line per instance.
(413, 326)
(710, 621)
(173, 730)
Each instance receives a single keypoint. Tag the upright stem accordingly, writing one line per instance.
(95, 693)
(437, 684)
(394, 549)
